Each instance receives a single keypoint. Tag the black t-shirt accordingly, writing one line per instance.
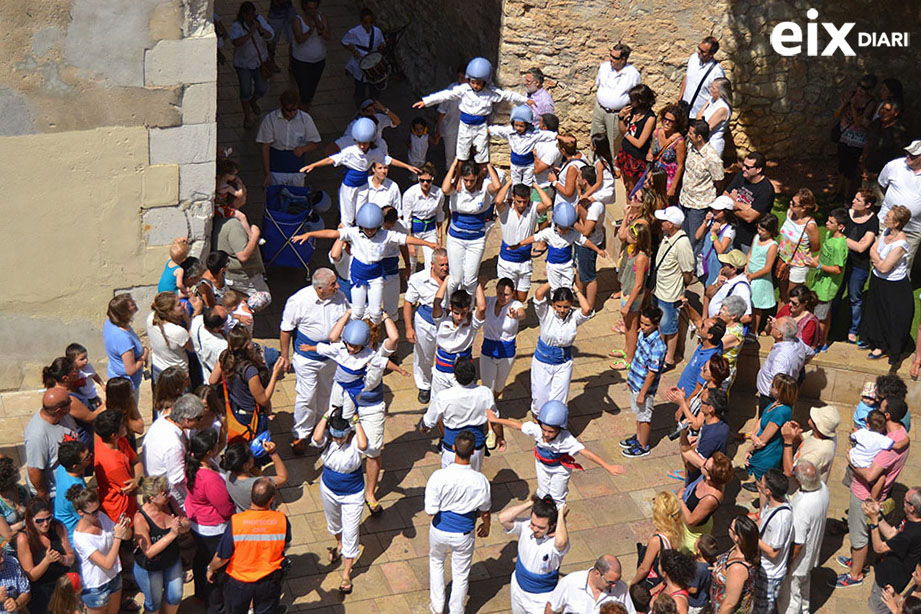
(904, 555)
(760, 196)
(855, 231)
(635, 129)
(241, 399)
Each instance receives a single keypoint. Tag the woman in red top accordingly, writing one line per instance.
(678, 572)
(118, 467)
(802, 302)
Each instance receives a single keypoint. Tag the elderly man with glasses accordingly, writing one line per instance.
(50, 426)
(286, 135)
(614, 80)
(584, 592)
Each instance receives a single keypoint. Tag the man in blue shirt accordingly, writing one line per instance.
(710, 334)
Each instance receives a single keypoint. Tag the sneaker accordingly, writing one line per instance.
(424, 396)
(636, 451)
(845, 581)
(750, 486)
(845, 561)
(629, 442)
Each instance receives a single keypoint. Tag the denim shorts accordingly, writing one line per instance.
(585, 264)
(669, 323)
(99, 596)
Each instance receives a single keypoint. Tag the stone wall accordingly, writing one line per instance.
(782, 106)
(107, 148)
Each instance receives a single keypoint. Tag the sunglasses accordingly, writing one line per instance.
(913, 156)
(616, 58)
(42, 520)
(748, 167)
(426, 180)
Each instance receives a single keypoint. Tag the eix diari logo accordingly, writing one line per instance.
(787, 38)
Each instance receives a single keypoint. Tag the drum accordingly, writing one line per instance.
(375, 67)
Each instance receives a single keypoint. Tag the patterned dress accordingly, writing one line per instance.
(718, 585)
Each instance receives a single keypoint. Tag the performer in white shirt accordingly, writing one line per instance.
(286, 135)
(420, 329)
(518, 221)
(361, 40)
(423, 214)
(522, 138)
(543, 540)
(463, 407)
(308, 317)
(454, 496)
(615, 78)
(477, 98)
(454, 332)
(497, 354)
(393, 274)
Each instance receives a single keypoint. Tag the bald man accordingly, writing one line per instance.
(584, 592)
(50, 426)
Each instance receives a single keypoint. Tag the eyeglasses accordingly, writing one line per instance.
(794, 303)
(913, 156)
(701, 51)
(426, 180)
(44, 520)
(748, 167)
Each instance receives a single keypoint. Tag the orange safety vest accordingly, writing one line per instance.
(258, 544)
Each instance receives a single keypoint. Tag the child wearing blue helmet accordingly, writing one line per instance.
(522, 137)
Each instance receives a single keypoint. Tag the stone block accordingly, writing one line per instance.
(196, 181)
(10, 374)
(162, 225)
(160, 185)
(183, 144)
(188, 60)
(199, 216)
(199, 103)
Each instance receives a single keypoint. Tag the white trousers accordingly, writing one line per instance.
(350, 200)
(553, 481)
(369, 299)
(524, 602)
(794, 595)
(473, 136)
(518, 272)
(428, 235)
(494, 372)
(561, 275)
(549, 383)
(522, 174)
(476, 460)
(313, 380)
(391, 299)
(464, 259)
(450, 147)
(460, 547)
(343, 515)
(423, 353)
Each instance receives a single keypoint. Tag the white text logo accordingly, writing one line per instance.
(787, 38)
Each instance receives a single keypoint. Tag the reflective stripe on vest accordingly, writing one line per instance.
(258, 544)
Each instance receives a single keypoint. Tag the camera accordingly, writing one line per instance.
(677, 432)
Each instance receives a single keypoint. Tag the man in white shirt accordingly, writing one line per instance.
(360, 41)
(286, 135)
(454, 497)
(165, 443)
(420, 329)
(455, 331)
(614, 80)
(901, 180)
(702, 71)
(207, 332)
(776, 528)
(463, 407)
(308, 317)
(810, 508)
(584, 592)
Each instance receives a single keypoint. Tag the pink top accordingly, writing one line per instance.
(891, 461)
(208, 503)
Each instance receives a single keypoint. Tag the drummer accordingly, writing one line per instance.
(360, 41)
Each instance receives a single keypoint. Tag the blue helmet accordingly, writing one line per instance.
(363, 130)
(356, 332)
(522, 113)
(554, 413)
(564, 215)
(369, 216)
(479, 68)
(257, 445)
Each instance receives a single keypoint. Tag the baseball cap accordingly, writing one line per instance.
(914, 148)
(722, 202)
(671, 214)
(826, 419)
(734, 258)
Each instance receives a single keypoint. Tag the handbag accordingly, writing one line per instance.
(836, 132)
(236, 430)
(781, 268)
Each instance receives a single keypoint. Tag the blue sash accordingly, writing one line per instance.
(423, 225)
(559, 255)
(353, 388)
(550, 355)
(469, 226)
(479, 436)
(473, 120)
(302, 339)
(452, 522)
(362, 273)
(344, 483)
(391, 265)
(282, 161)
(368, 398)
(522, 254)
(346, 286)
(498, 349)
(425, 312)
(355, 178)
(531, 582)
(555, 459)
(444, 361)
(522, 159)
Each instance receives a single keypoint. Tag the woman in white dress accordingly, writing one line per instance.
(717, 112)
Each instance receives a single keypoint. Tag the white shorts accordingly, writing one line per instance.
(518, 272)
(372, 422)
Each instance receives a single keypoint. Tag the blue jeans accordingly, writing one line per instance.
(669, 323)
(693, 218)
(153, 583)
(99, 596)
(252, 85)
(585, 260)
(856, 280)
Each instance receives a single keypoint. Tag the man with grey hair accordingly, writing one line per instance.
(165, 444)
(612, 86)
(810, 508)
(308, 317)
(788, 355)
(901, 546)
(534, 85)
(584, 592)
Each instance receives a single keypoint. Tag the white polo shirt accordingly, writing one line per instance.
(417, 204)
(516, 227)
(456, 339)
(371, 249)
(903, 187)
(574, 595)
(421, 288)
(554, 330)
(387, 194)
(500, 327)
(460, 406)
(305, 312)
(457, 488)
(613, 86)
(286, 134)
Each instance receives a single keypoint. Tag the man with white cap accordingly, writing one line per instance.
(810, 508)
(901, 180)
(817, 445)
(732, 281)
(615, 78)
(674, 271)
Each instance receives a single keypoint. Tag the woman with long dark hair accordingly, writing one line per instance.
(733, 579)
(44, 552)
(669, 148)
(120, 397)
(637, 122)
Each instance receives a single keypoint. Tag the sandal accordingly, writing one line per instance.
(617, 353)
(129, 605)
(676, 475)
(334, 555)
(619, 328)
(620, 365)
(345, 587)
(375, 509)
